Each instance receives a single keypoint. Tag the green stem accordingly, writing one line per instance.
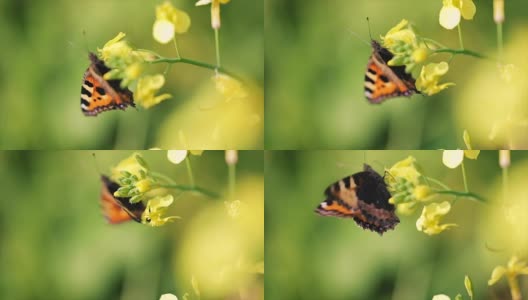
(168, 60)
(188, 188)
(162, 177)
(217, 47)
(232, 180)
(504, 184)
(499, 41)
(441, 184)
(460, 36)
(176, 47)
(459, 51)
(464, 177)
(189, 170)
(463, 194)
(434, 42)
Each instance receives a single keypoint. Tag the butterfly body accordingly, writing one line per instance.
(383, 81)
(364, 197)
(118, 209)
(99, 95)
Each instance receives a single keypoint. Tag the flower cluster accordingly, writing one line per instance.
(407, 48)
(128, 65)
(138, 183)
(413, 52)
(410, 189)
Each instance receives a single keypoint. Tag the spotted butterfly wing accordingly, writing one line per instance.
(383, 81)
(363, 197)
(99, 95)
(118, 209)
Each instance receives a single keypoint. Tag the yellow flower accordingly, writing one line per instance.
(229, 87)
(155, 209)
(215, 10)
(454, 158)
(438, 297)
(431, 216)
(169, 20)
(420, 54)
(452, 10)
(144, 185)
(130, 165)
(515, 267)
(427, 82)
(404, 169)
(115, 48)
(146, 88)
(422, 192)
(401, 32)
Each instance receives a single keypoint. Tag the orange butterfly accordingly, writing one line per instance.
(117, 209)
(98, 94)
(364, 197)
(383, 81)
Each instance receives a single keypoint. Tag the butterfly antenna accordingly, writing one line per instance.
(96, 165)
(358, 37)
(368, 24)
(85, 41)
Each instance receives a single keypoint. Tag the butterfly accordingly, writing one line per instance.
(118, 209)
(364, 197)
(383, 81)
(98, 94)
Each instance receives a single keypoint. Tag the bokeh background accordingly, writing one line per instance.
(56, 244)
(314, 257)
(315, 70)
(45, 54)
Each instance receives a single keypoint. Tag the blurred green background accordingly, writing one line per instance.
(45, 54)
(314, 257)
(56, 244)
(315, 71)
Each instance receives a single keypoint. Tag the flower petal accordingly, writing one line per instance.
(449, 17)
(163, 31)
(468, 9)
(496, 275)
(176, 156)
(452, 158)
(168, 297)
(203, 2)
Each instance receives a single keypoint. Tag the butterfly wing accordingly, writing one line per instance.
(117, 209)
(364, 197)
(98, 94)
(383, 81)
(341, 200)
